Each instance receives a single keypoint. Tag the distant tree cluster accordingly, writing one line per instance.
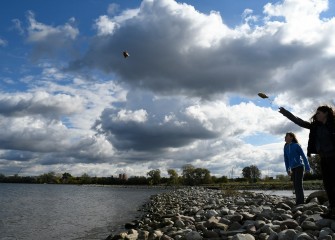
(252, 173)
(195, 176)
(67, 178)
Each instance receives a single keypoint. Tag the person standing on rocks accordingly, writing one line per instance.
(296, 164)
(321, 141)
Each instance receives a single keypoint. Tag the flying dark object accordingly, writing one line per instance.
(125, 54)
(262, 95)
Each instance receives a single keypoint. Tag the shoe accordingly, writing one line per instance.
(330, 214)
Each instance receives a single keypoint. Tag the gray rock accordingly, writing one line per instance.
(259, 223)
(309, 225)
(224, 211)
(273, 236)
(304, 236)
(166, 237)
(288, 234)
(232, 233)
(283, 206)
(225, 221)
(235, 217)
(322, 223)
(248, 216)
(251, 229)
(325, 238)
(193, 236)
(266, 229)
(286, 216)
(143, 235)
(211, 213)
(210, 234)
(256, 209)
(241, 236)
(262, 236)
(158, 233)
(290, 223)
(309, 206)
(131, 237)
(240, 201)
(234, 226)
(179, 224)
(320, 195)
(325, 231)
(220, 226)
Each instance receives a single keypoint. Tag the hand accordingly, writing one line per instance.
(282, 110)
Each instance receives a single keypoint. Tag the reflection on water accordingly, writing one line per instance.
(67, 211)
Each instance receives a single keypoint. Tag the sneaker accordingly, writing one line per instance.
(330, 214)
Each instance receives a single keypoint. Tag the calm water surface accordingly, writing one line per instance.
(283, 193)
(64, 212)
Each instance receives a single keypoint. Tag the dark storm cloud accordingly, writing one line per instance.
(152, 134)
(38, 103)
(31, 139)
(15, 155)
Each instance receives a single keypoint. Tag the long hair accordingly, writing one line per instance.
(294, 137)
(325, 109)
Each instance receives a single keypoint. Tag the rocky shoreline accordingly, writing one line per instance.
(201, 213)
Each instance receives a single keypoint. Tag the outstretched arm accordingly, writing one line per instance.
(295, 119)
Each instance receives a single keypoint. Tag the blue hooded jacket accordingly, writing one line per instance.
(295, 157)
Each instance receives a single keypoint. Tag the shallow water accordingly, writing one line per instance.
(284, 193)
(34, 211)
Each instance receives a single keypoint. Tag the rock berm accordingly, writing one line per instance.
(199, 213)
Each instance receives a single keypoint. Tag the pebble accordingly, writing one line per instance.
(197, 213)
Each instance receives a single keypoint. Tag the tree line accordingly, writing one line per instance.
(190, 176)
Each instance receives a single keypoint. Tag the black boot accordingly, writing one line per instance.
(330, 214)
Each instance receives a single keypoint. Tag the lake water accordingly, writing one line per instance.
(67, 212)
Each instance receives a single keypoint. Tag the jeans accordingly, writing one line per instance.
(327, 164)
(297, 177)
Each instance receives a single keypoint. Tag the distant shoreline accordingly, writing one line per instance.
(286, 185)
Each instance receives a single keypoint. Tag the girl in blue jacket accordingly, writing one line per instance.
(296, 163)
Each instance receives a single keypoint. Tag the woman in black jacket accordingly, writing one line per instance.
(321, 141)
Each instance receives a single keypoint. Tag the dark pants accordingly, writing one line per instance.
(327, 164)
(297, 177)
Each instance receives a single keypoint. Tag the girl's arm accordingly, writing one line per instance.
(306, 163)
(296, 120)
(286, 160)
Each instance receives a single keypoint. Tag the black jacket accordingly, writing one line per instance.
(313, 127)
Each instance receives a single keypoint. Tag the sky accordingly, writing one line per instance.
(187, 93)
